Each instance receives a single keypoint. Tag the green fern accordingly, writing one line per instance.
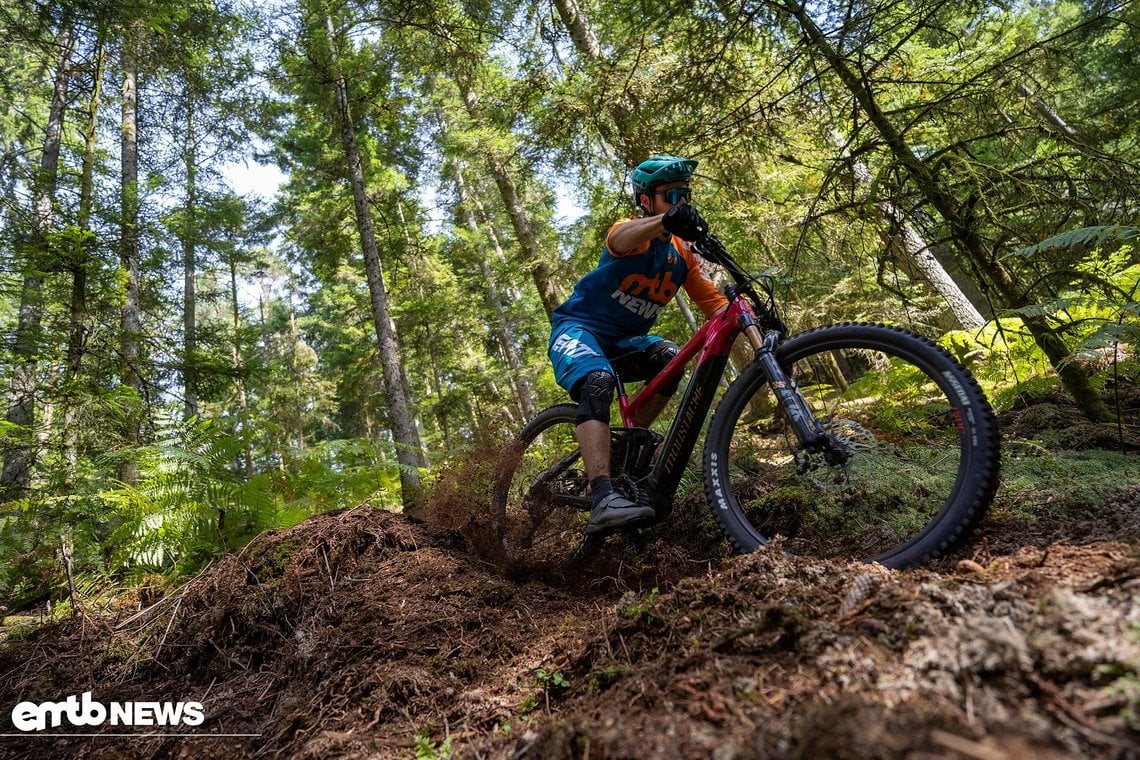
(1085, 236)
(188, 505)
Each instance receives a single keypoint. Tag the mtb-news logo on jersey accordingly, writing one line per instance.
(81, 710)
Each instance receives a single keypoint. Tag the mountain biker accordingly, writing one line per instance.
(644, 261)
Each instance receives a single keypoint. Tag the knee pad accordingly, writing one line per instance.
(660, 354)
(595, 395)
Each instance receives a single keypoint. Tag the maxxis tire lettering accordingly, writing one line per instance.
(978, 470)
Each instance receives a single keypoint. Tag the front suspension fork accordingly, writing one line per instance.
(807, 428)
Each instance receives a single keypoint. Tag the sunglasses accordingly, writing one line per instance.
(675, 195)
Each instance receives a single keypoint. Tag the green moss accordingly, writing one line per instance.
(602, 679)
(642, 610)
(1036, 481)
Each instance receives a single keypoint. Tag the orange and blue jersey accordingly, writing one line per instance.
(615, 304)
(625, 292)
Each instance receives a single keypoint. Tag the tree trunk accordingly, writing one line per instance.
(19, 460)
(614, 111)
(514, 293)
(409, 450)
(298, 410)
(520, 220)
(189, 252)
(502, 329)
(580, 31)
(918, 252)
(236, 363)
(965, 234)
(277, 445)
(77, 333)
(417, 267)
(130, 322)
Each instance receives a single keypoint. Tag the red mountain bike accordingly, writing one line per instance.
(853, 440)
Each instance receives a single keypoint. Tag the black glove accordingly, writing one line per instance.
(683, 221)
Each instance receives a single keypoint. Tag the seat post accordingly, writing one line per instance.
(618, 363)
(623, 401)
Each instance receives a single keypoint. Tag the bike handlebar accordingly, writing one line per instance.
(713, 250)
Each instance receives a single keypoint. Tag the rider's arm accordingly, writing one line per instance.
(632, 236)
(700, 287)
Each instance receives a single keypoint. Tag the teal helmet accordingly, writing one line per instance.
(659, 169)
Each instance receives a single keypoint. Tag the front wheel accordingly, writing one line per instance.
(908, 465)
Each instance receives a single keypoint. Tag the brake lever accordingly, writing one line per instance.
(712, 249)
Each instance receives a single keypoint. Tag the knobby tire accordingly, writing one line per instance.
(922, 440)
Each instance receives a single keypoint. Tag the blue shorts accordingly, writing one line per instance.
(575, 352)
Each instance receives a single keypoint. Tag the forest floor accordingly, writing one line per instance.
(361, 634)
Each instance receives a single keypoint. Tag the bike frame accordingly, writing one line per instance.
(711, 346)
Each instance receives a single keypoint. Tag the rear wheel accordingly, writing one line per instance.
(909, 462)
(541, 498)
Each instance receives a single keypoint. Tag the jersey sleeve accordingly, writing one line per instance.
(700, 287)
(618, 254)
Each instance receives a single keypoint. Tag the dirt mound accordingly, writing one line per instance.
(1053, 419)
(777, 656)
(359, 634)
(350, 634)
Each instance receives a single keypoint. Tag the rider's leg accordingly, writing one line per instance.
(595, 396)
(650, 409)
(611, 509)
(594, 440)
(580, 366)
(582, 369)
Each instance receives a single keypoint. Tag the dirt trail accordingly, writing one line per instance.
(359, 634)
(354, 633)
